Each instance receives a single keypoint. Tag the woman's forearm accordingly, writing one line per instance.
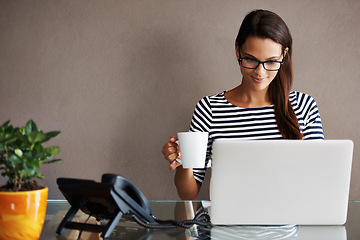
(185, 183)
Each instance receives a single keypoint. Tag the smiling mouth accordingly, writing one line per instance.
(258, 80)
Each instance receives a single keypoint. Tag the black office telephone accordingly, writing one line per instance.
(110, 199)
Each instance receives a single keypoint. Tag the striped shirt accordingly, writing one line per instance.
(223, 120)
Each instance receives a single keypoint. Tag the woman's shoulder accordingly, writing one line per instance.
(301, 99)
(218, 97)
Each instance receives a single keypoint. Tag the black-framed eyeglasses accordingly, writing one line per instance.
(251, 63)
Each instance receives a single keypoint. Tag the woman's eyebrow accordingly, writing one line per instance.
(270, 58)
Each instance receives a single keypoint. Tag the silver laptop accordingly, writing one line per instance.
(280, 182)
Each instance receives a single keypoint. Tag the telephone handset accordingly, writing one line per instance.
(135, 199)
(110, 199)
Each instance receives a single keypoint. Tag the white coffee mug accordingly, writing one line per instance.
(193, 147)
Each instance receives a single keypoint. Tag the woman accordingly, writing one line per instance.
(261, 107)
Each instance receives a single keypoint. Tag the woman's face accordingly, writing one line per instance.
(262, 50)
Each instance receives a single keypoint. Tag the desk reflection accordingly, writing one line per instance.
(184, 210)
(279, 233)
(322, 232)
(219, 233)
(287, 232)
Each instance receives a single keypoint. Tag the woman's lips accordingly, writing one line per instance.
(258, 80)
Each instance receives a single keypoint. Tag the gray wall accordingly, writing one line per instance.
(119, 77)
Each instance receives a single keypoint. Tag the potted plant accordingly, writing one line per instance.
(23, 201)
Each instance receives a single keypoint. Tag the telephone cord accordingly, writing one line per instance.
(201, 219)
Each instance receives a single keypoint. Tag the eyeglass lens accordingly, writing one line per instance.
(268, 65)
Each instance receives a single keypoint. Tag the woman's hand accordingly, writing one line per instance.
(185, 183)
(171, 151)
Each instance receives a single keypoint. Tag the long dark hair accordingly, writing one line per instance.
(268, 25)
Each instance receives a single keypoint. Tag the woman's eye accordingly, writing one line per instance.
(248, 60)
(272, 63)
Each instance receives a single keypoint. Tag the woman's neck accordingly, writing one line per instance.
(243, 97)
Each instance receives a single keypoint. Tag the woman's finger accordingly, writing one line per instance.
(174, 165)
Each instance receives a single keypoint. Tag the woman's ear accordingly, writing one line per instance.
(237, 51)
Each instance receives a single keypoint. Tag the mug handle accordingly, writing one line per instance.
(177, 159)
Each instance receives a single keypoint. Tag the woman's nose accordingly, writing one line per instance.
(260, 69)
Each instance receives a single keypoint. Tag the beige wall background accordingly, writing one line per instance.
(119, 77)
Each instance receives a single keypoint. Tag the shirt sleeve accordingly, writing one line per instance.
(201, 122)
(312, 129)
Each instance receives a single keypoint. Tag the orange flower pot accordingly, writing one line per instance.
(22, 214)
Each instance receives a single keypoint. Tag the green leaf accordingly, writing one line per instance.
(27, 173)
(9, 139)
(18, 152)
(39, 175)
(5, 124)
(22, 140)
(52, 134)
(31, 127)
(35, 137)
(28, 155)
(52, 161)
(15, 159)
(33, 164)
(7, 135)
(38, 148)
(52, 151)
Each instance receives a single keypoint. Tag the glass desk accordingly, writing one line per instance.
(182, 210)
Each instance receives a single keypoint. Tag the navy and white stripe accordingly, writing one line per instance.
(223, 120)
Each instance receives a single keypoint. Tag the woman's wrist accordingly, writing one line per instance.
(185, 183)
